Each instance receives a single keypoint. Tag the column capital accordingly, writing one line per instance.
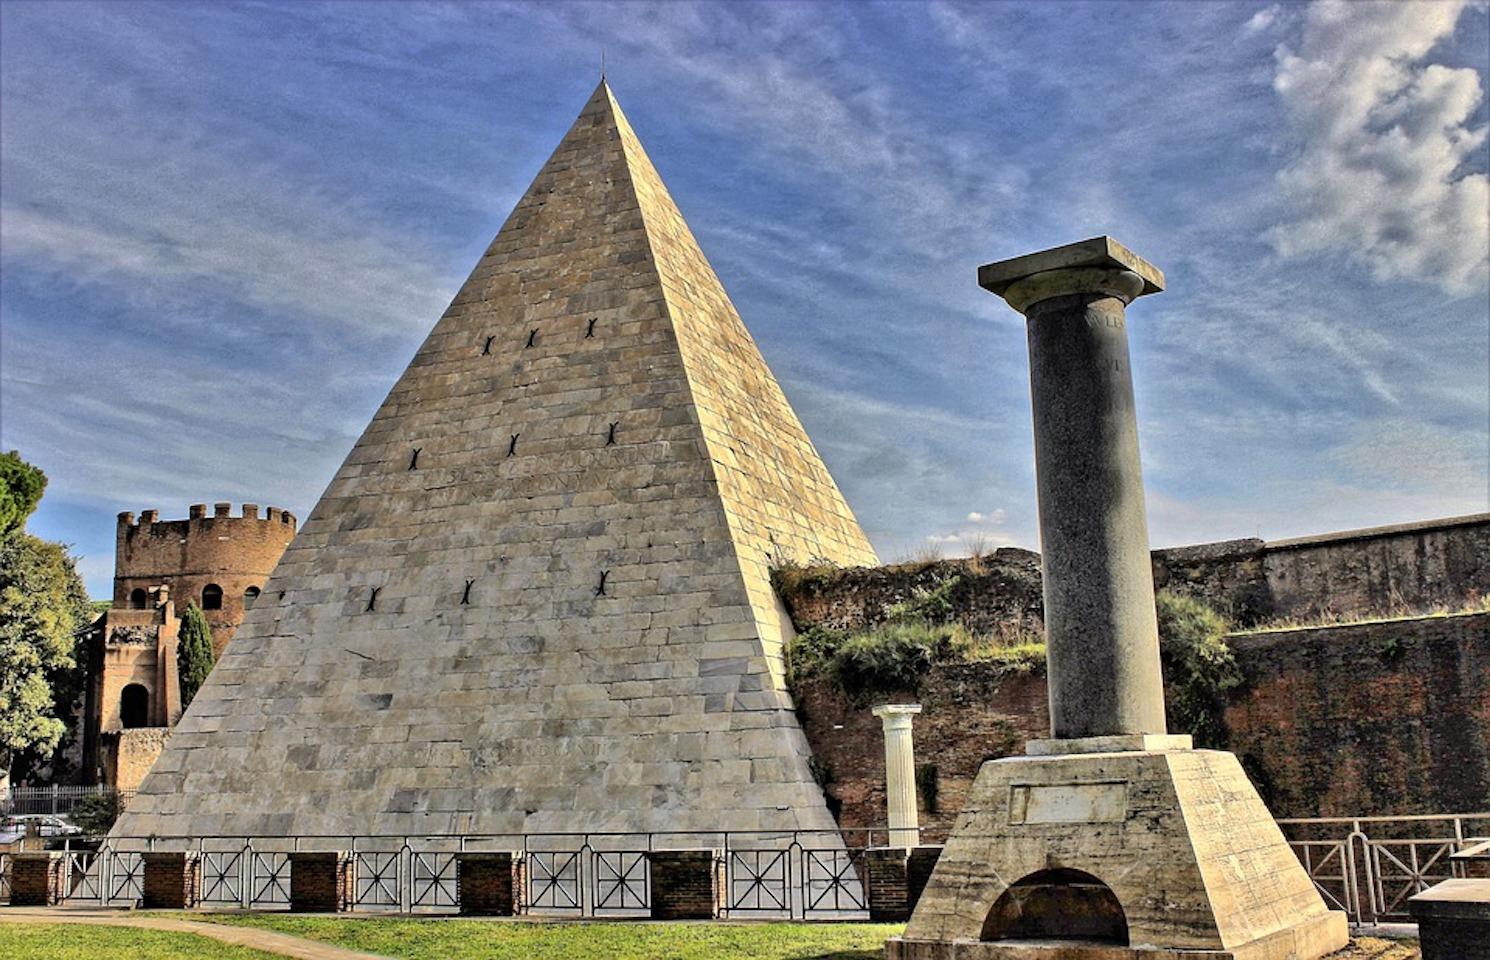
(896, 713)
(1099, 265)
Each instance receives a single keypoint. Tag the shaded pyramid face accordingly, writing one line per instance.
(556, 616)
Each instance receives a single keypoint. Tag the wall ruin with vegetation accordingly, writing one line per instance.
(1382, 716)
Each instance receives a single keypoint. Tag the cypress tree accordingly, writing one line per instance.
(193, 653)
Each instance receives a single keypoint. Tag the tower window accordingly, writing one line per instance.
(137, 598)
(249, 596)
(212, 597)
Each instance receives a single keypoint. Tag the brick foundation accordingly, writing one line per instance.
(894, 879)
(36, 879)
(322, 882)
(489, 884)
(1454, 920)
(173, 881)
(686, 884)
(918, 867)
(885, 885)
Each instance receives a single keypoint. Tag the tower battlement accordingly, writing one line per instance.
(221, 511)
(211, 558)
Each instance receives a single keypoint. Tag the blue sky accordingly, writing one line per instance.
(224, 229)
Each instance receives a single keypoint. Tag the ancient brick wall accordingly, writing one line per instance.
(971, 713)
(1402, 569)
(1398, 570)
(991, 592)
(1388, 717)
(686, 884)
(129, 754)
(233, 553)
(1379, 717)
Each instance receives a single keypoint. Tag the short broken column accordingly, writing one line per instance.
(900, 773)
(686, 884)
(489, 883)
(173, 880)
(36, 878)
(322, 881)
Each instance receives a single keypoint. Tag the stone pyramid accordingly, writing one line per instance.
(535, 597)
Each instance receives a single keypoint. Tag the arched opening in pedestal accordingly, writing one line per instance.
(1058, 904)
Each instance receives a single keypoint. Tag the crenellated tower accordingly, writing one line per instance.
(218, 561)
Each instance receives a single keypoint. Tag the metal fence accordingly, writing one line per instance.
(1365, 866)
(55, 800)
(802, 875)
(1370, 866)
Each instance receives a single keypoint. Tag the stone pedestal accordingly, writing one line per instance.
(1143, 854)
(686, 884)
(173, 881)
(322, 881)
(36, 879)
(489, 884)
(1454, 920)
(1112, 839)
(900, 773)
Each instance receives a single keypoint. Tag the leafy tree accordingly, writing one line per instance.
(21, 486)
(43, 608)
(193, 653)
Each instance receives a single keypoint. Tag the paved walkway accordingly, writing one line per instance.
(266, 940)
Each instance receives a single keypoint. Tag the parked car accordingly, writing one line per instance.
(15, 827)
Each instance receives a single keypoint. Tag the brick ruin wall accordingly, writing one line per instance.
(235, 553)
(1400, 570)
(129, 754)
(1385, 717)
(1377, 717)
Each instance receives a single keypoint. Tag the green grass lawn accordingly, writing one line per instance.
(468, 939)
(81, 941)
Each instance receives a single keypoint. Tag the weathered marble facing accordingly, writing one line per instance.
(1180, 837)
(557, 617)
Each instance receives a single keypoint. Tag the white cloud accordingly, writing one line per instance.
(1262, 19)
(992, 518)
(1383, 141)
(173, 220)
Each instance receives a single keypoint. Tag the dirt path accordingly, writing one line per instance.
(266, 940)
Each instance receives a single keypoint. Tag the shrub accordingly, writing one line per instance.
(894, 656)
(95, 814)
(1199, 665)
(932, 605)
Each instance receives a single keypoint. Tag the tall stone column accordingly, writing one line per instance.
(1103, 642)
(1163, 851)
(900, 773)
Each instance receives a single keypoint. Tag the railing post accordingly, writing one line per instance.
(246, 874)
(584, 877)
(406, 877)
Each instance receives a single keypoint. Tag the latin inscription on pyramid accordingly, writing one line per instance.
(535, 597)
